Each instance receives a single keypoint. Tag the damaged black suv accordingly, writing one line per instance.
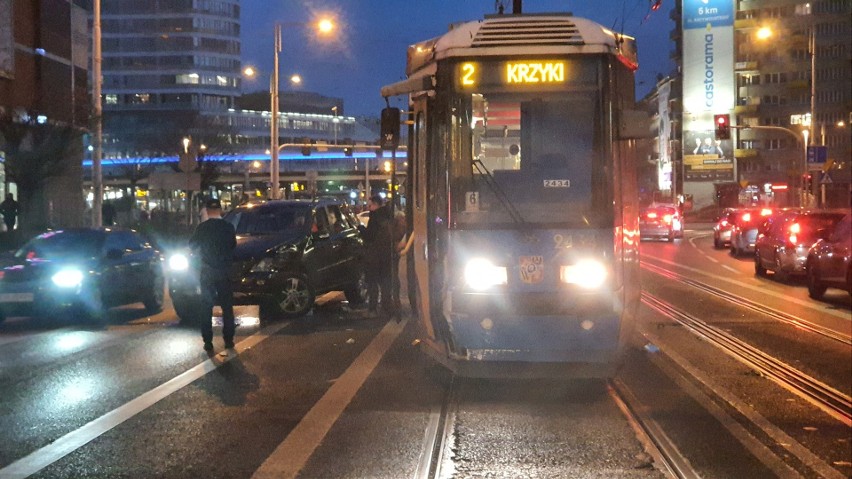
(288, 253)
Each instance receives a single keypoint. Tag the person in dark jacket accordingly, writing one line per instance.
(9, 209)
(214, 240)
(378, 260)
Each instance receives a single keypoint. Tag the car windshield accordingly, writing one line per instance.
(62, 244)
(267, 220)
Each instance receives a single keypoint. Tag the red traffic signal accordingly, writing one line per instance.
(723, 126)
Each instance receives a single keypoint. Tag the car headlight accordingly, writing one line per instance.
(481, 274)
(265, 265)
(587, 274)
(68, 278)
(178, 262)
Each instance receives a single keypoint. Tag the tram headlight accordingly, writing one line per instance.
(481, 274)
(587, 274)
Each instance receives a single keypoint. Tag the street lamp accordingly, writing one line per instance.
(323, 26)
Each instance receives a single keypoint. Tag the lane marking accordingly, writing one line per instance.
(762, 290)
(293, 453)
(47, 455)
(730, 269)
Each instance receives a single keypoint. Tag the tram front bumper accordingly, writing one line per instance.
(534, 327)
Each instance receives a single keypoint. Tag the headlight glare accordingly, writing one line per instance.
(178, 262)
(588, 274)
(481, 274)
(67, 278)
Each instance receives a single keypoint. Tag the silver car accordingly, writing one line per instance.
(743, 233)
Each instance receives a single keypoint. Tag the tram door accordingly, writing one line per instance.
(418, 270)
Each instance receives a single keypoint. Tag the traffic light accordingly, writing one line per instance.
(723, 126)
(306, 150)
(389, 139)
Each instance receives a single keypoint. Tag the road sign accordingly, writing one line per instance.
(817, 155)
(826, 179)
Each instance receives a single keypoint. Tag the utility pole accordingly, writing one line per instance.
(97, 152)
(274, 165)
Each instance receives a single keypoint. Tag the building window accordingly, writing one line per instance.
(139, 99)
(187, 79)
(111, 99)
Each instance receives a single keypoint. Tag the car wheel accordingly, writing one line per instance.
(716, 243)
(294, 298)
(671, 236)
(780, 274)
(758, 266)
(153, 299)
(357, 293)
(816, 290)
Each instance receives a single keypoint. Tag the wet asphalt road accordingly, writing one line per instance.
(341, 395)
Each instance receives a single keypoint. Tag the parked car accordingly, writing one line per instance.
(786, 238)
(744, 229)
(722, 228)
(660, 221)
(288, 253)
(829, 262)
(79, 273)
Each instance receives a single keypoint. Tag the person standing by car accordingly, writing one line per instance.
(378, 259)
(214, 240)
(9, 209)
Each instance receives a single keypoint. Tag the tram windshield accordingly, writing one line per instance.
(533, 159)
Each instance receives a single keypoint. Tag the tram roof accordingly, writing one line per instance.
(511, 35)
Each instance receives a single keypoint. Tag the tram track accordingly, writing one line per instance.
(439, 438)
(780, 316)
(829, 400)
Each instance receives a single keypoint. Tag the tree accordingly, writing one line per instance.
(36, 155)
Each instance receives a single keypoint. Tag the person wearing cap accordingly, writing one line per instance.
(214, 241)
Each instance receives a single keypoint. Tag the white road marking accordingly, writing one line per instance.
(762, 290)
(291, 455)
(711, 258)
(730, 269)
(47, 455)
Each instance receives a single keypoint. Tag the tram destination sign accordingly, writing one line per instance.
(524, 74)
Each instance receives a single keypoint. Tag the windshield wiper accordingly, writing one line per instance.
(498, 192)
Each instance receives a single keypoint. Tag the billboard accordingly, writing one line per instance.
(708, 87)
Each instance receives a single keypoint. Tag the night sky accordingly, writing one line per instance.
(368, 50)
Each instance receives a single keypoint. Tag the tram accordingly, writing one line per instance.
(521, 195)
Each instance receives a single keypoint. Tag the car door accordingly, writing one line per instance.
(116, 269)
(839, 247)
(347, 246)
(321, 254)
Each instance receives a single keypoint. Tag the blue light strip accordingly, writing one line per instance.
(337, 155)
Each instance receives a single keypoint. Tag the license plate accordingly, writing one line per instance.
(16, 297)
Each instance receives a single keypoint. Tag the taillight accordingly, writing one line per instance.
(746, 217)
(651, 215)
(765, 212)
(724, 223)
(667, 219)
(794, 229)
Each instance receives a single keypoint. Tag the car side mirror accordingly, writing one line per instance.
(114, 254)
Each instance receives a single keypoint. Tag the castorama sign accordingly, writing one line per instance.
(708, 50)
(708, 64)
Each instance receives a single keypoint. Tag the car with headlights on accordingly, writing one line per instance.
(78, 273)
(829, 262)
(288, 252)
(744, 228)
(785, 240)
(660, 221)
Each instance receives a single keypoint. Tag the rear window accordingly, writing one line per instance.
(265, 221)
(811, 224)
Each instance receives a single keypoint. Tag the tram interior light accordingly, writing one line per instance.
(587, 274)
(481, 274)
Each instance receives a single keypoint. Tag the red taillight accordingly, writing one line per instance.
(746, 217)
(794, 229)
(667, 219)
(765, 212)
(724, 223)
(2, 273)
(651, 215)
